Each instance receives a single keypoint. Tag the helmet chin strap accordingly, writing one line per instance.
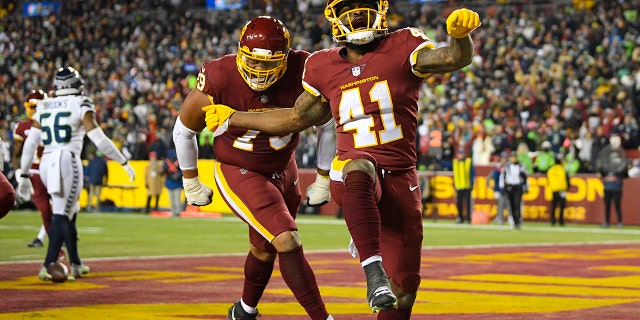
(361, 37)
(68, 91)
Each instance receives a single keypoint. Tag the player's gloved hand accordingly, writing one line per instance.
(217, 118)
(197, 193)
(129, 170)
(461, 22)
(24, 192)
(318, 192)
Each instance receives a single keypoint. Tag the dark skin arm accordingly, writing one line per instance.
(455, 56)
(308, 110)
(17, 152)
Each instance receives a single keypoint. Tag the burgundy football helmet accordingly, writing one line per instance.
(357, 29)
(32, 100)
(262, 52)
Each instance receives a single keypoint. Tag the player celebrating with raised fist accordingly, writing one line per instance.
(256, 173)
(372, 84)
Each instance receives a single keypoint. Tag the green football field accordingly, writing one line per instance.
(139, 235)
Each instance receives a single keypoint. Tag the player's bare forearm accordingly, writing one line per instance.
(455, 56)
(17, 152)
(307, 111)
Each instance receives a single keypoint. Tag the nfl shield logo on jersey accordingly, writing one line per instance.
(355, 71)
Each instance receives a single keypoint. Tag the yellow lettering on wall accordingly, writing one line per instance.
(575, 213)
(444, 187)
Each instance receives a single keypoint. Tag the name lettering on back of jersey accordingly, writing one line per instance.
(54, 104)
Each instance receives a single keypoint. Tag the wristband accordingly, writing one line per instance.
(24, 175)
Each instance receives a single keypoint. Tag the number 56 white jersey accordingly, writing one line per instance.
(61, 121)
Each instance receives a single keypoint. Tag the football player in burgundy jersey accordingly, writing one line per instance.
(256, 173)
(40, 195)
(7, 193)
(372, 84)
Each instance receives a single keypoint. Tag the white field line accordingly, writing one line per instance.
(445, 225)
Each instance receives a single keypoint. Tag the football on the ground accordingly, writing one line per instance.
(58, 271)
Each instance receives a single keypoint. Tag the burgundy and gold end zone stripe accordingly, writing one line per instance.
(575, 282)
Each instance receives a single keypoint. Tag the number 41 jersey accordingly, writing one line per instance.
(374, 100)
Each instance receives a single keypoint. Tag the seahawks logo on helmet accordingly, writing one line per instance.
(68, 82)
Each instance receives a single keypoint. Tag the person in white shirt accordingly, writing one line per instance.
(513, 180)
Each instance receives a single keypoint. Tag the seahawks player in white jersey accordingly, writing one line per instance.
(61, 123)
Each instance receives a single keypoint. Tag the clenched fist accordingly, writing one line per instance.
(461, 22)
(318, 192)
(217, 118)
(197, 193)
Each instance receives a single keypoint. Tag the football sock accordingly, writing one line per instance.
(395, 314)
(71, 241)
(42, 233)
(361, 213)
(256, 277)
(56, 237)
(297, 273)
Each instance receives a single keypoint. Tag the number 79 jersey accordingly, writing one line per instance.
(61, 121)
(374, 101)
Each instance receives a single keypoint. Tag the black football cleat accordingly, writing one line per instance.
(379, 293)
(35, 243)
(237, 313)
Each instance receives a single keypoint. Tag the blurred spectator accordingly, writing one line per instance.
(98, 176)
(205, 145)
(482, 149)
(463, 179)
(153, 181)
(493, 181)
(634, 171)
(558, 183)
(173, 182)
(513, 180)
(571, 164)
(611, 164)
(545, 158)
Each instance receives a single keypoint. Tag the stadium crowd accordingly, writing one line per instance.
(566, 72)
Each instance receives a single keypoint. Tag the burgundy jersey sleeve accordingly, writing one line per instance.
(20, 130)
(374, 100)
(251, 149)
(20, 133)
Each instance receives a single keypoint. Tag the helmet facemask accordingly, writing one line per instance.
(30, 109)
(357, 29)
(31, 102)
(262, 52)
(259, 79)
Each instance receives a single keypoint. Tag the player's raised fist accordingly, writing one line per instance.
(217, 118)
(461, 22)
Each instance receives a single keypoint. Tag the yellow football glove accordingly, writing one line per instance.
(461, 22)
(217, 118)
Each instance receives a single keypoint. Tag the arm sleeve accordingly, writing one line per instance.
(326, 144)
(104, 144)
(186, 146)
(29, 148)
